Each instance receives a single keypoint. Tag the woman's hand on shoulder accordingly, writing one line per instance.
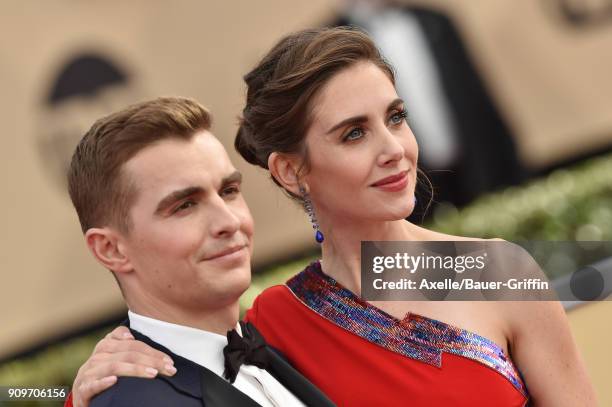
(545, 352)
(117, 354)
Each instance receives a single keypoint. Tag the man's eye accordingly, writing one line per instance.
(354, 134)
(185, 205)
(231, 190)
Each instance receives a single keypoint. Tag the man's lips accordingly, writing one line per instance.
(391, 179)
(225, 252)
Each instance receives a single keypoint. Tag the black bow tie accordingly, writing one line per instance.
(250, 349)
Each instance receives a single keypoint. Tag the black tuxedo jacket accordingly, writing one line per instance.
(194, 385)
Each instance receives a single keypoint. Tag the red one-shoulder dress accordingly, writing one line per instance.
(361, 356)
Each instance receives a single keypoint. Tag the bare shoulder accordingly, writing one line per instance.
(532, 317)
(544, 350)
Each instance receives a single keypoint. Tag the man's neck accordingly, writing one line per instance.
(219, 320)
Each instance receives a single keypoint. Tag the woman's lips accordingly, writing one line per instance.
(393, 183)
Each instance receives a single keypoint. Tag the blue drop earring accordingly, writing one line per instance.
(311, 215)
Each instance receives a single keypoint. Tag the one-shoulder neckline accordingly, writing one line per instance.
(415, 336)
(319, 270)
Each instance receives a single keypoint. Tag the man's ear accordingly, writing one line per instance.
(284, 168)
(106, 246)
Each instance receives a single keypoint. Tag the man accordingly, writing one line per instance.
(160, 205)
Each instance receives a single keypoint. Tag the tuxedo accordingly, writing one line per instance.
(195, 385)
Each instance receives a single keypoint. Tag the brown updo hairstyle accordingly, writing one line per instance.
(281, 87)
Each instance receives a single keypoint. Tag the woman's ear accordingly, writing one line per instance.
(106, 246)
(284, 168)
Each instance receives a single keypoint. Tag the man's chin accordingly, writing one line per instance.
(236, 280)
(231, 293)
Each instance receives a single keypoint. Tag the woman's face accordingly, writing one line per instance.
(363, 156)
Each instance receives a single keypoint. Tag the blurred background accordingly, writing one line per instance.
(510, 100)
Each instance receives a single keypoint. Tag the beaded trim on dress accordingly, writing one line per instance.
(415, 336)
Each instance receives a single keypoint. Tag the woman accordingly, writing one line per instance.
(322, 115)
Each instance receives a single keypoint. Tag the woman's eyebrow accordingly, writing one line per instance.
(395, 103)
(350, 120)
(362, 118)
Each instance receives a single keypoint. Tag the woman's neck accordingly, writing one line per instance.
(341, 250)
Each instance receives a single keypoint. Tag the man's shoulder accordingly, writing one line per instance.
(140, 392)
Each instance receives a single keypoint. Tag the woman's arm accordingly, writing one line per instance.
(117, 354)
(544, 350)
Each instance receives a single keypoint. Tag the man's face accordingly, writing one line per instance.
(190, 240)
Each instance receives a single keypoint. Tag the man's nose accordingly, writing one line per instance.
(224, 221)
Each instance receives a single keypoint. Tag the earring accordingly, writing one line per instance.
(310, 210)
(415, 200)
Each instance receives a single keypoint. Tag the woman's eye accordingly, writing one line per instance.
(183, 206)
(354, 134)
(398, 117)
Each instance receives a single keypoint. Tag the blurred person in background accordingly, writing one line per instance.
(323, 116)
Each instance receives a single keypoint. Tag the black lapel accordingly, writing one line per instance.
(301, 387)
(219, 392)
(198, 381)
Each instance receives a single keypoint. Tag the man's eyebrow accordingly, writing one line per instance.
(362, 118)
(177, 195)
(235, 176)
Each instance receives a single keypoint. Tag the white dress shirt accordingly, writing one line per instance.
(206, 349)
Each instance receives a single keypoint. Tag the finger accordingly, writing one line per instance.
(88, 390)
(115, 346)
(106, 343)
(135, 358)
(120, 333)
(118, 368)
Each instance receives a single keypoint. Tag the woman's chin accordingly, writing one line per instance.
(391, 214)
(400, 209)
